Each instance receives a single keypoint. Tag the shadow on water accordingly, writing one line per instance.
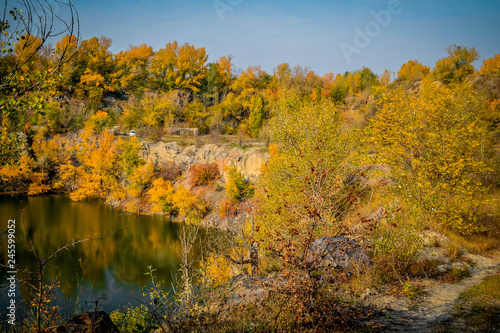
(112, 267)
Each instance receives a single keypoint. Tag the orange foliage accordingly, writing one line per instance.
(99, 168)
(203, 174)
(224, 67)
(228, 208)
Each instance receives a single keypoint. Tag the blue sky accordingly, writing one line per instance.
(318, 34)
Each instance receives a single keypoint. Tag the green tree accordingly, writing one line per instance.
(237, 188)
(219, 77)
(129, 154)
(257, 115)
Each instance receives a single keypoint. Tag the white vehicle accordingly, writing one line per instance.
(132, 133)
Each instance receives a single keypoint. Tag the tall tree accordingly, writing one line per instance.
(307, 187)
(25, 83)
(133, 64)
(457, 66)
(179, 67)
(438, 146)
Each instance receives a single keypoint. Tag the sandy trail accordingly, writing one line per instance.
(438, 302)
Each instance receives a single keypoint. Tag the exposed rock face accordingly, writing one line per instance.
(249, 162)
(336, 252)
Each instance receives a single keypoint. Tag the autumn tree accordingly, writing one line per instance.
(413, 70)
(457, 66)
(178, 201)
(133, 66)
(361, 80)
(197, 116)
(178, 67)
(25, 32)
(258, 113)
(218, 79)
(27, 76)
(236, 107)
(161, 196)
(491, 66)
(129, 154)
(93, 85)
(98, 123)
(308, 185)
(283, 76)
(89, 73)
(98, 167)
(338, 89)
(140, 178)
(437, 145)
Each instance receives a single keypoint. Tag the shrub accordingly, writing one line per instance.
(131, 319)
(203, 174)
(237, 188)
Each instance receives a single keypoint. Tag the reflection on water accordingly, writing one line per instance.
(112, 267)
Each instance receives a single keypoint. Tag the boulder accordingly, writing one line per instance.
(95, 322)
(336, 252)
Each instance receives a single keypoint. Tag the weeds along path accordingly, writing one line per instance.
(439, 301)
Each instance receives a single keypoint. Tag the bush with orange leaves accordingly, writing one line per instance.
(203, 174)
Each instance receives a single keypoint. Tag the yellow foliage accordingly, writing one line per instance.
(27, 51)
(141, 178)
(304, 191)
(179, 67)
(436, 142)
(37, 187)
(99, 170)
(491, 65)
(132, 66)
(413, 70)
(161, 196)
(129, 154)
(224, 67)
(92, 79)
(13, 171)
(191, 207)
(457, 66)
(67, 45)
(97, 123)
(217, 270)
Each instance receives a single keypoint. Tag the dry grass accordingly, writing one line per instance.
(480, 308)
(453, 250)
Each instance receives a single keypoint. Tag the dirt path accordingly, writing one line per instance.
(438, 302)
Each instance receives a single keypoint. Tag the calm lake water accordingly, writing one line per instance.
(112, 267)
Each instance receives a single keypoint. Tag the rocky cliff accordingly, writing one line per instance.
(248, 161)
